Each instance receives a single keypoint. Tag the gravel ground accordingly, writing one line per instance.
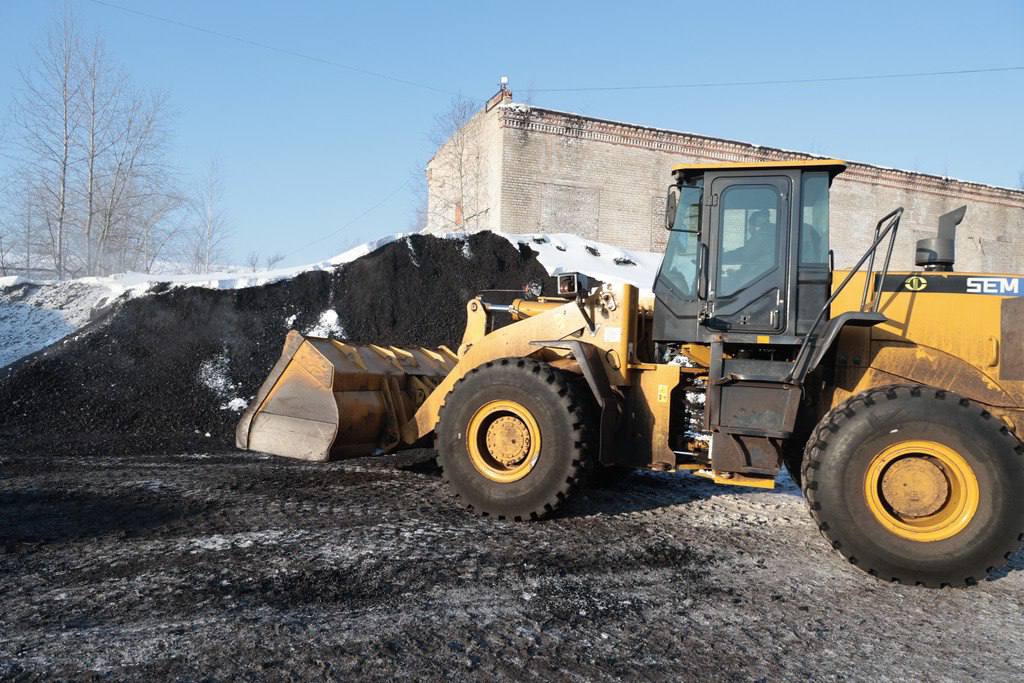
(240, 566)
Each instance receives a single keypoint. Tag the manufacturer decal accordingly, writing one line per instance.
(942, 283)
(916, 283)
(1005, 286)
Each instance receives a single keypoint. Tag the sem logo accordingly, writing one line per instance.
(915, 283)
(993, 285)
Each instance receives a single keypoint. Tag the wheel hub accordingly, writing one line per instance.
(921, 490)
(503, 440)
(508, 440)
(915, 487)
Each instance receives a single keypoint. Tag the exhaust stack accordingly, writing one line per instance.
(938, 253)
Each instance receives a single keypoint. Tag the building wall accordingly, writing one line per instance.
(464, 178)
(551, 171)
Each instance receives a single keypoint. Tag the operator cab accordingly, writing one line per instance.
(747, 259)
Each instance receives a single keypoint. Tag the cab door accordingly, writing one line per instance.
(749, 245)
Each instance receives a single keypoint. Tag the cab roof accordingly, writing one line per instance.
(834, 166)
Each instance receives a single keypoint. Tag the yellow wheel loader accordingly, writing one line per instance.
(895, 399)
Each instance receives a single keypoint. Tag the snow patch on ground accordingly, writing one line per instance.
(32, 317)
(328, 325)
(236, 404)
(412, 252)
(239, 540)
(215, 375)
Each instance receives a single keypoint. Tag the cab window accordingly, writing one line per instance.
(814, 219)
(749, 239)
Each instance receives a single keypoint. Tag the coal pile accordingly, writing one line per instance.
(170, 372)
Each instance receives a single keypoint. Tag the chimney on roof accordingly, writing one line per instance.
(504, 93)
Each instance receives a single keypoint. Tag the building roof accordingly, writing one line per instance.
(833, 165)
(664, 139)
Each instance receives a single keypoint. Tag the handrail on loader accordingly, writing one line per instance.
(801, 366)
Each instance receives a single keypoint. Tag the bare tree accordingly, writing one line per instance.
(93, 192)
(273, 260)
(99, 101)
(4, 250)
(210, 228)
(135, 185)
(253, 261)
(47, 117)
(156, 229)
(457, 169)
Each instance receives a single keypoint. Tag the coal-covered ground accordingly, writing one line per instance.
(246, 567)
(170, 371)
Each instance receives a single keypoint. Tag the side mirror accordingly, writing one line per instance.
(671, 206)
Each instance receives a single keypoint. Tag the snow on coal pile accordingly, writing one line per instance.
(171, 371)
(34, 316)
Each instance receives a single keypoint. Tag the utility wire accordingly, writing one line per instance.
(273, 48)
(786, 81)
(606, 88)
(350, 223)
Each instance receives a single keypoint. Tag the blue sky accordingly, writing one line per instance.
(305, 148)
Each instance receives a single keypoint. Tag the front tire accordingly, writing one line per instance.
(513, 438)
(917, 485)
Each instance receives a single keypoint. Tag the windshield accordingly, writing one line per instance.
(679, 268)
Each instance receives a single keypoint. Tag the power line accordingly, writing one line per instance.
(786, 81)
(350, 223)
(608, 88)
(273, 48)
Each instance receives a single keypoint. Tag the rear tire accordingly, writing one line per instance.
(917, 485)
(513, 438)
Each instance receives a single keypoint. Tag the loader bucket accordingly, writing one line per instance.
(325, 399)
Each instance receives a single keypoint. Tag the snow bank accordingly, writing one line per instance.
(34, 317)
(565, 253)
(557, 252)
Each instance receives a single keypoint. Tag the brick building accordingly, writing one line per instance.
(522, 169)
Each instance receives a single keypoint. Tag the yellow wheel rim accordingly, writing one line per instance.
(921, 490)
(503, 440)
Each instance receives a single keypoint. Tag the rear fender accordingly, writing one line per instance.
(896, 363)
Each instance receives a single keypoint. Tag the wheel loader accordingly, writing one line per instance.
(896, 400)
